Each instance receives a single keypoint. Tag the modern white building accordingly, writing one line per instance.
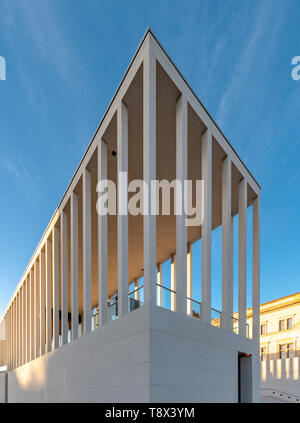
(91, 318)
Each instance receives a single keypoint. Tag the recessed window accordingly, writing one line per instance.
(290, 323)
(289, 351)
(281, 324)
(286, 351)
(282, 351)
(263, 329)
(263, 354)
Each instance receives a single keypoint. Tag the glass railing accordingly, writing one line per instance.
(112, 309)
(135, 298)
(194, 308)
(95, 318)
(167, 297)
(216, 316)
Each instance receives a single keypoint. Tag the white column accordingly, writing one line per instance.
(206, 164)
(160, 282)
(149, 167)
(74, 265)
(181, 228)
(48, 295)
(42, 303)
(55, 300)
(102, 240)
(242, 256)
(14, 334)
(64, 276)
(256, 269)
(28, 319)
(227, 283)
(173, 282)
(122, 158)
(8, 340)
(32, 315)
(37, 308)
(87, 253)
(20, 326)
(190, 279)
(24, 322)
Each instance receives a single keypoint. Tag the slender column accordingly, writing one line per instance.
(64, 277)
(19, 328)
(55, 272)
(227, 283)
(32, 315)
(181, 228)
(87, 253)
(28, 319)
(173, 282)
(242, 256)
(206, 163)
(8, 341)
(149, 174)
(48, 295)
(160, 282)
(37, 308)
(122, 209)
(24, 322)
(12, 336)
(42, 303)
(190, 279)
(74, 265)
(102, 240)
(14, 333)
(256, 269)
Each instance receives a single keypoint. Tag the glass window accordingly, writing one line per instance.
(290, 323)
(263, 329)
(290, 351)
(281, 324)
(282, 351)
(263, 354)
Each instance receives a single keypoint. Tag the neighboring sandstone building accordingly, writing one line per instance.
(279, 349)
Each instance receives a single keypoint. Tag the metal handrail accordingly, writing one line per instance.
(136, 289)
(194, 301)
(165, 287)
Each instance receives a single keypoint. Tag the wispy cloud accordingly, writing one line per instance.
(23, 176)
(263, 25)
(44, 30)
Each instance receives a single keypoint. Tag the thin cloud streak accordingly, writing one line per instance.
(244, 67)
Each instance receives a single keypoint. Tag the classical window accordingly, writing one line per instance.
(263, 329)
(290, 350)
(286, 350)
(290, 323)
(263, 353)
(282, 324)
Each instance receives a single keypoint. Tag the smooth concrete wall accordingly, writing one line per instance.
(109, 364)
(281, 375)
(3, 387)
(194, 362)
(150, 354)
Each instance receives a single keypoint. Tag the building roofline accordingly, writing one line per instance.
(148, 31)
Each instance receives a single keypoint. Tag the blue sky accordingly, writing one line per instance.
(64, 62)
